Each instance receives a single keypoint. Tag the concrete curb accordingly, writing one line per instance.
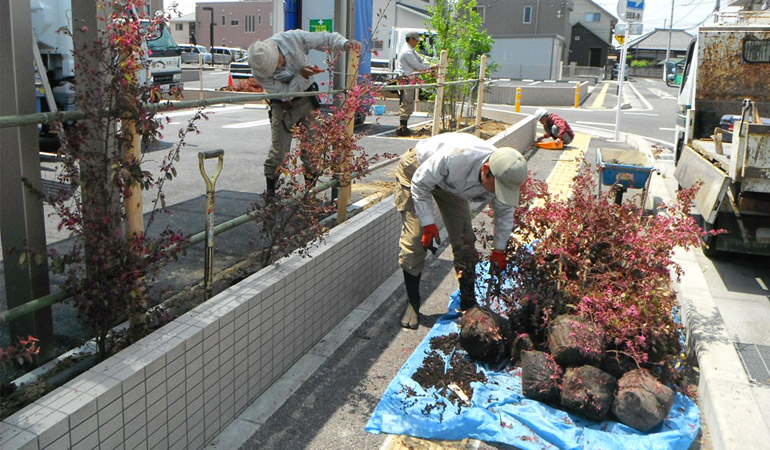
(727, 402)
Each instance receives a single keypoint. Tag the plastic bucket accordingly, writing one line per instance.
(378, 110)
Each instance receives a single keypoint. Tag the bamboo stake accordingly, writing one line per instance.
(437, 107)
(480, 100)
(344, 193)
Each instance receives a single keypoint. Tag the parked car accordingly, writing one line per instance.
(615, 71)
(226, 55)
(240, 69)
(191, 53)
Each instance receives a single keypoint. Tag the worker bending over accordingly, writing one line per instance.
(555, 127)
(453, 169)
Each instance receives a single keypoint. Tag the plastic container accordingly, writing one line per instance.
(627, 167)
(378, 109)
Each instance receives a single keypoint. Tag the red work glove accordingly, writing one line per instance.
(498, 261)
(429, 233)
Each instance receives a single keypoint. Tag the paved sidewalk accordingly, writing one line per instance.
(325, 400)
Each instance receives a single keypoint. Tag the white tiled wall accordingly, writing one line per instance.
(180, 386)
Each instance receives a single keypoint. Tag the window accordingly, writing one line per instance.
(756, 51)
(259, 19)
(179, 27)
(480, 10)
(223, 20)
(234, 22)
(249, 25)
(593, 17)
(527, 14)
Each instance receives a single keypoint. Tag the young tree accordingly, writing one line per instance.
(461, 34)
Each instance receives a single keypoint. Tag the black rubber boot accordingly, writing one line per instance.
(270, 189)
(411, 318)
(403, 130)
(467, 280)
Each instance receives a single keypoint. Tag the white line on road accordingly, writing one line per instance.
(209, 110)
(255, 123)
(667, 129)
(641, 97)
(641, 114)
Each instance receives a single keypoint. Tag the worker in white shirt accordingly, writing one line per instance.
(408, 63)
(453, 169)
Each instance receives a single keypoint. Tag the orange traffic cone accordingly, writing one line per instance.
(230, 80)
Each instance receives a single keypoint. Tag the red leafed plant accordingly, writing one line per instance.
(21, 353)
(611, 263)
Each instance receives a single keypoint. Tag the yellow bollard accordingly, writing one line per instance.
(577, 96)
(518, 99)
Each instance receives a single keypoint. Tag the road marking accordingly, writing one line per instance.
(667, 129)
(661, 93)
(191, 112)
(641, 97)
(596, 123)
(641, 114)
(761, 283)
(255, 123)
(599, 100)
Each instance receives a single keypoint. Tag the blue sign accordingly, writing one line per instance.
(634, 10)
(634, 4)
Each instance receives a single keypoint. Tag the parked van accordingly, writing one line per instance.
(226, 55)
(191, 54)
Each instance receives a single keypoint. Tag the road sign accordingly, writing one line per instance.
(631, 10)
(620, 38)
(321, 25)
(635, 29)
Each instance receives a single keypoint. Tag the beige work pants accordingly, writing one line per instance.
(282, 121)
(455, 212)
(406, 104)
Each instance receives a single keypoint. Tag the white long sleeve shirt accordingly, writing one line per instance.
(452, 162)
(409, 61)
(295, 45)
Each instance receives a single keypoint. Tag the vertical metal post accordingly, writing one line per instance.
(208, 270)
(518, 99)
(480, 100)
(577, 96)
(437, 107)
(621, 75)
(22, 223)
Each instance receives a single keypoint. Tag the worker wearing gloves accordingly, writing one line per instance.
(280, 65)
(408, 63)
(453, 169)
(555, 127)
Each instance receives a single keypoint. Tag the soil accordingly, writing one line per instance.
(488, 128)
(437, 373)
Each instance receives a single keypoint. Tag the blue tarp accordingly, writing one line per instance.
(500, 413)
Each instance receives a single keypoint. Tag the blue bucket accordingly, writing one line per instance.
(379, 110)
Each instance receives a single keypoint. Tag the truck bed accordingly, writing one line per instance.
(707, 148)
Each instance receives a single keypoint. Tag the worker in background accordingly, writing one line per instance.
(280, 65)
(453, 169)
(555, 127)
(409, 62)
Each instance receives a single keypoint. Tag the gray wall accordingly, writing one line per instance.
(525, 57)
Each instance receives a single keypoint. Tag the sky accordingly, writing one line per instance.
(688, 14)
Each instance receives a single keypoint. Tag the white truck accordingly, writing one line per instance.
(48, 16)
(724, 86)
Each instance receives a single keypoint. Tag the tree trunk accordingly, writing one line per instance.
(642, 401)
(588, 391)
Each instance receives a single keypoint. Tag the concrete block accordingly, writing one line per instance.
(112, 426)
(33, 419)
(83, 432)
(113, 442)
(88, 442)
(137, 439)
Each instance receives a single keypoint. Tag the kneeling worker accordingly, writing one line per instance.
(453, 169)
(555, 127)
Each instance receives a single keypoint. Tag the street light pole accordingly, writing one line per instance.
(668, 47)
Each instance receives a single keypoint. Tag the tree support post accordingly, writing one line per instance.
(480, 100)
(22, 221)
(438, 106)
(344, 191)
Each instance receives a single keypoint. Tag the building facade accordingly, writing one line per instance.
(592, 31)
(235, 24)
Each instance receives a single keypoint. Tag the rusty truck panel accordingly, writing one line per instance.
(724, 74)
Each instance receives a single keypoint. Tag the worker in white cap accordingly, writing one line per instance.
(453, 169)
(409, 62)
(280, 65)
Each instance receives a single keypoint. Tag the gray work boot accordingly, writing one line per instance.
(411, 318)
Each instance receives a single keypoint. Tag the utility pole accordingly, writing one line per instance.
(668, 47)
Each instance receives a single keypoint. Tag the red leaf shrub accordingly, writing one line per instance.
(608, 263)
